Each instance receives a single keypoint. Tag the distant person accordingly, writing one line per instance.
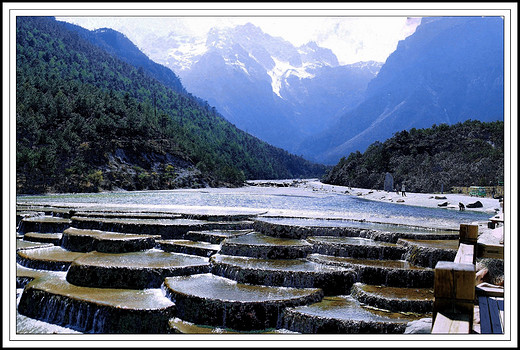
(462, 207)
(493, 193)
(397, 189)
(403, 189)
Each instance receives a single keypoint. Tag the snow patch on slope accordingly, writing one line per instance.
(187, 52)
(282, 70)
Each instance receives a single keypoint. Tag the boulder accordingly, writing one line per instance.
(477, 204)
(495, 270)
(440, 197)
(443, 204)
(422, 326)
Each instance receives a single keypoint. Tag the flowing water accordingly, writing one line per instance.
(274, 202)
(254, 274)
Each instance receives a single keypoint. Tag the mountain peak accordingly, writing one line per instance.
(274, 82)
(249, 28)
(314, 54)
(247, 45)
(311, 45)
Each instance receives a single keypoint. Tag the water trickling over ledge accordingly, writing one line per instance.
(223, 269)
(96, 310)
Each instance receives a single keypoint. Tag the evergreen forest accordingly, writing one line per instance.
(429, 160)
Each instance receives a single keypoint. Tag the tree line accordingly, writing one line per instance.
(430, 159)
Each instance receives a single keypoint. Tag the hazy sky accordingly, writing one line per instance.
(352, 39)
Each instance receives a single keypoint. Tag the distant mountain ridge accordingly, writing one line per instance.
(450, 70)
(119, 45)
(299, 98)
(263, 84)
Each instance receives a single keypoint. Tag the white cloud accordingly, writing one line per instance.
(367, 38)
(352, 39)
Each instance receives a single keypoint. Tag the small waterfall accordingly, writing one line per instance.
(231, 272)
(77, 315)
(20, 227)
(42, 264)
(22, 281)
(224, 314)
(288, 280)
(427, 257)
(91, 316)
(99, 320)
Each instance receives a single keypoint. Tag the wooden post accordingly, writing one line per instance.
(454, 291)
(454, 286)
(468, 234)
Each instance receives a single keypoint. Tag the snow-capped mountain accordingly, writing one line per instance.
(263, 84)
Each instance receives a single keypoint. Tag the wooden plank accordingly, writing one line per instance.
(441, 324)
(449, 323)
(465, 254)
(485, 320)
(500, 302)
(495, 251)
(494, 315)
(489, 290)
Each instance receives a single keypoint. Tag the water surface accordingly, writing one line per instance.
(286, 202)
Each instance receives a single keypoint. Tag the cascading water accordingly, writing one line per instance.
(334, 277)
(20, 227)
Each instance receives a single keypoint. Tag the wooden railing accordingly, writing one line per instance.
(454, 286)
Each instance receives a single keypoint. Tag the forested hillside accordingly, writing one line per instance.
(464, 154)
(85, 120)
(118, 45)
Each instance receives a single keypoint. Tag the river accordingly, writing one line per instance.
(290, 202)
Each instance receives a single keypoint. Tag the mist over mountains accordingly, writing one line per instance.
(263, 84)
(300, 98)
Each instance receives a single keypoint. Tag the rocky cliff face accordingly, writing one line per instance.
(448, 71)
